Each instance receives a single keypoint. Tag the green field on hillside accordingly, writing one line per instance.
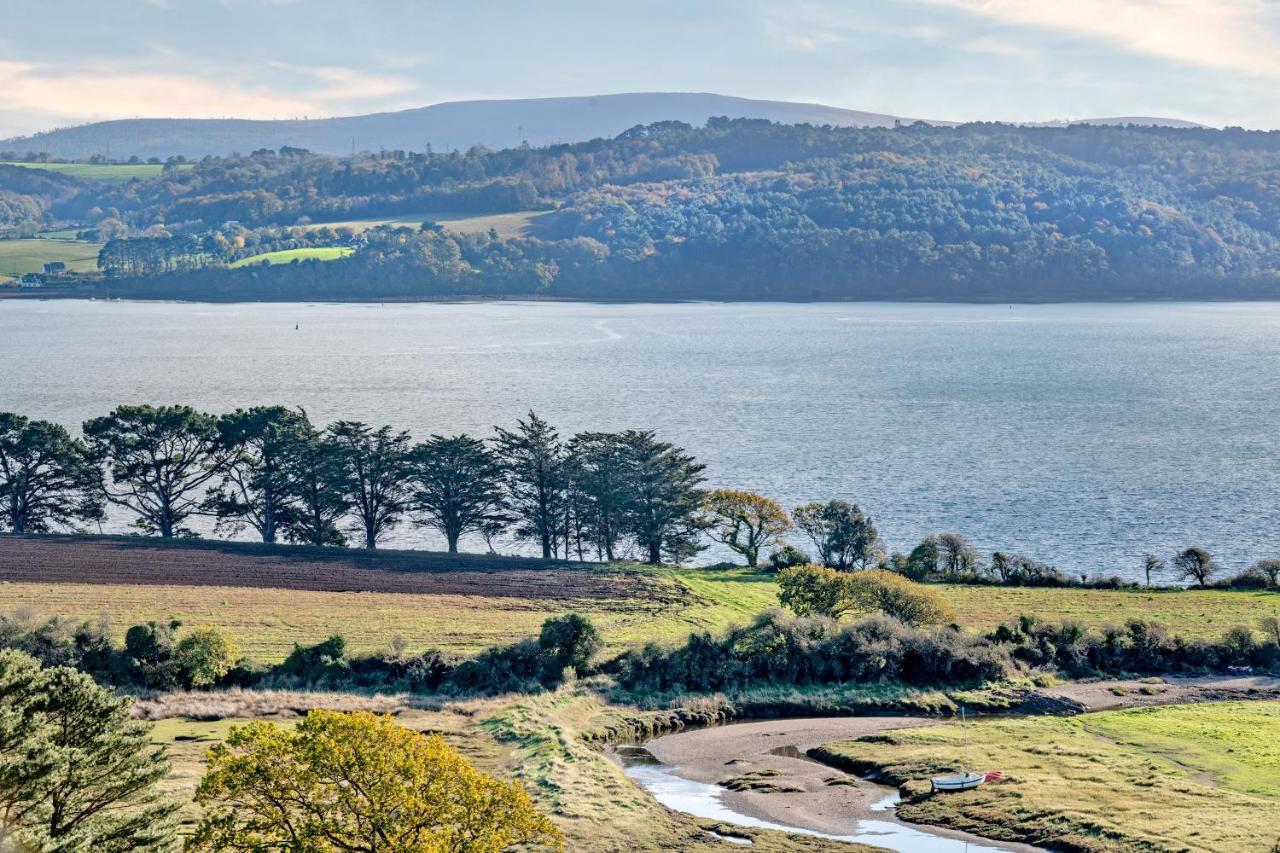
(1178, 777)
(110, 172)
(288, 256)
(516, 224)
(30, 255)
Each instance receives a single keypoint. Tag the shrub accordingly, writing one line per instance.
(1251, 578)
(786, 557)
(896, 596)
(819, 591)
(205, 656)
(781, 650)
(324, 661)
(1138, 647)
(813, 591)
(569, 642)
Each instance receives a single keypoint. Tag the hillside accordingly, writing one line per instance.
(735, 209)
(445, 127)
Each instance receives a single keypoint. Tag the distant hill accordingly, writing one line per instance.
(1121, 121)
(459, 124)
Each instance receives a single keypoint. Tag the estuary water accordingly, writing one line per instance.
(1082, 435)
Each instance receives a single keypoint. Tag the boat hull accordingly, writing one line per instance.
(964, 782)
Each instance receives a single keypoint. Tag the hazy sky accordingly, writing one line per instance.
(1215, 61)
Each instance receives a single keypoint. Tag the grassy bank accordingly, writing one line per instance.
(1185, 777)
(535, 740)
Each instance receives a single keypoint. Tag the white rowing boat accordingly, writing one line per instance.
(959, 782)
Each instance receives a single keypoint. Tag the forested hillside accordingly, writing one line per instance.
(736, 209)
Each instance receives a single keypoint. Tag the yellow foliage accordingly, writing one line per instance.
(745, 521)
(821, 591)
(358, 781)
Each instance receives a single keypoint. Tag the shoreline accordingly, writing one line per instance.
(13, 294)
(713, 754)
(717, 753)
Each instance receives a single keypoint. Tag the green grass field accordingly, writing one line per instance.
(518, 224)
(112, 172)
(30, 255)
(288, 256)
(268, 621)
(1180, 777)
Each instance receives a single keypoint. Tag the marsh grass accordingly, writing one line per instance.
(1200, 777)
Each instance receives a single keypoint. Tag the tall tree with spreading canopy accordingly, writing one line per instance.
(47, 478)
(844, 536)
(319, 484)
(257, 485)
(533, 457)
(663, 497)
(1195, 563)
(357, 782)
(76, 773)
(746, 522)
(457, 486)
(375, 470)
(162, 461)
(596, 463)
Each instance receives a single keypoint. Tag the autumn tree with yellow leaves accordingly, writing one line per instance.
(357, 782)
(745, 522)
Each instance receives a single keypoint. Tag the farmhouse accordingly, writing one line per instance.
(55, 268)
(31, 280)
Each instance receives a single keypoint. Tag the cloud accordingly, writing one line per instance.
(1235, 35)
(797, 35)
(108, 92)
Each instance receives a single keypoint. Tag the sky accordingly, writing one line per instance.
(71, 61)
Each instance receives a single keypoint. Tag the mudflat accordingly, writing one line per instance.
(810, 795)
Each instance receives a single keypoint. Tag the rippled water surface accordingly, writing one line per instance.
(1079, 434)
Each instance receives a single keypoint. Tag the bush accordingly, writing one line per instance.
(898, 597)
(1251, 578)
(1139, 647)
(818, 591)
(569, 642)
(787, 557)
(777, 649)
(205, 656)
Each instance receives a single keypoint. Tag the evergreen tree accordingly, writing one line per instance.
(533, 459)
(162, 460)
(457, 486)
(257, 486)
(47, 477)
(75, 772)
(374, 465)
(663, 497)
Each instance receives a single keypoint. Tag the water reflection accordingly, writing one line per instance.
(704, 800)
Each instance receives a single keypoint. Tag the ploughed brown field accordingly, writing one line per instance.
(271, 597)
(137, 561)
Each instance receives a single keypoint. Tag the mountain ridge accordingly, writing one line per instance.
(449, 125)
